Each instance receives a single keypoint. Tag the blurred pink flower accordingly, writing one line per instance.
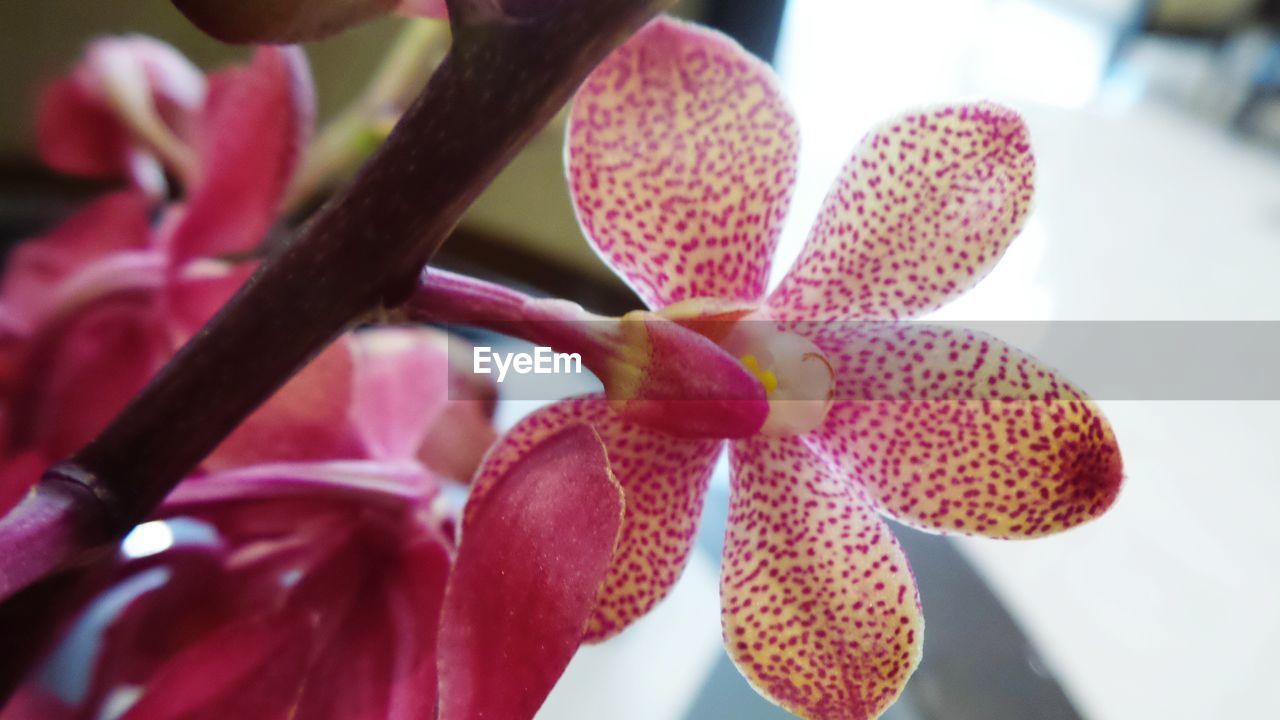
(312, 584)
(303, 570)
(89, 311)
(681, 159)
(128, 110)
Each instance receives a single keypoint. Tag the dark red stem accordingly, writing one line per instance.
(514, 63)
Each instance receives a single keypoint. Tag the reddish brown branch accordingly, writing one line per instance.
(506, 75)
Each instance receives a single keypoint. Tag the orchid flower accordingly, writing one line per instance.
(314, 580)
(128, 110)
(681, 159)
(109, 293)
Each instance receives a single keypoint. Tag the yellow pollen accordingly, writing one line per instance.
(766, 377)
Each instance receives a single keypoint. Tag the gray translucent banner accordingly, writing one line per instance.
(1108, 360)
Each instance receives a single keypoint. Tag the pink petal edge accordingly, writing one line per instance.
(664, 479)
(921, 212)
(954, 431)
(535, 549)
(820, 609)
(681, 155)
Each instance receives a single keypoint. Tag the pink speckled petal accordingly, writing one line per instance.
(681, 158)
(921, 212)
(665, 482)
(961, 432)
(820, 609)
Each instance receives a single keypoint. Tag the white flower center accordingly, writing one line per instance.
(798, 379)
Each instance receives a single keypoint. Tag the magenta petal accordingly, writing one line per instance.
(277, 21)
(62, 400)
(351, 676)
(463, 431)
(381, 661)
(251, 670)
(535, 549)
(401, 388)
(681, 155)
(415, 604)
(202, 288)
(676, 380)
(36, 269)
(151, 609)
(923, 210)
(256, 123)
(664, 479)
(458, 439)
(142, 69)
(394, 485)
(18, 475)
(78, 134)
(33, 702)
(307, 419)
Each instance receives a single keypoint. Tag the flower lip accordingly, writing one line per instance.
(798, 379)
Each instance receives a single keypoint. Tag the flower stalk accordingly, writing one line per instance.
(509, 70)
(655, 371)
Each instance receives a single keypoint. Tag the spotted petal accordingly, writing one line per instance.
(681, 159)
(664, 479)
(955, 431)
(820, 609)
(922, 211)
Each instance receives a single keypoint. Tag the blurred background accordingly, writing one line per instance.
(1157, 130)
